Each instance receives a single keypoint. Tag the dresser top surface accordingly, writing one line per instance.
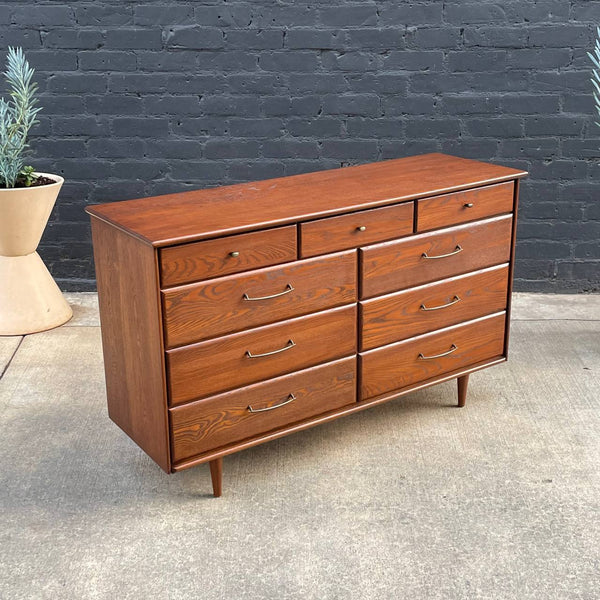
(202, 214)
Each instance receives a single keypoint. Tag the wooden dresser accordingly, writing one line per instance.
(236, 315)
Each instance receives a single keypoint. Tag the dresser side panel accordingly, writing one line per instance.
(127, 280)
(511, 271)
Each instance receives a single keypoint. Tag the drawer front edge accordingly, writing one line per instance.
(415, 311)
(228, 418)
(464, 206)
(214, 366)
(356, 229)
(421, 358)
(239, 302)
(198, 261)
(427, 257)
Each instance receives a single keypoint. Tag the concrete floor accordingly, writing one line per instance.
(414, 499)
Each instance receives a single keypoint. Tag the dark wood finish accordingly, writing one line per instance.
(203, 214)
(204, 310)
(460, 207)
(402, 315)
(127, 281)
(463, 384)
(397, 265)
(356, 229)
(232, 254)
(222, 364)
(213, 423)
(216, 475)
(399, 365)
(350, 409)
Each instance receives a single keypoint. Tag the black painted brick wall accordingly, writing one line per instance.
(144, 98)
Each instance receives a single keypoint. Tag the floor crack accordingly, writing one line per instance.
(8, 363)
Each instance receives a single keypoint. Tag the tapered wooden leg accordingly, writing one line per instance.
(216, 474)
(463, 383)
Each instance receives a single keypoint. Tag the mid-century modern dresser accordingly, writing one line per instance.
(235, 315)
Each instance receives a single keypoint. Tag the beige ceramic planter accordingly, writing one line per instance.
(30, 300)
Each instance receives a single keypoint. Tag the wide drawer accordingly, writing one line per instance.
(238, 302)
(355, 229)
(460, 207)
(394, 266)
(243, 413)
(415, 311)
(431, 355)
(231, 254)
(229, 362)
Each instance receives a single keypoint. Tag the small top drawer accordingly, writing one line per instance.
(460, 207)
(355, 229)
(232, 254)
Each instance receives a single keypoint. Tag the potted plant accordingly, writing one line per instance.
(30, 300)
(596, 74)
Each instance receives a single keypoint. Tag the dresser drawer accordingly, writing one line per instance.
(394, 266)
(421, 358)
(236, 360)
(460, 207)
(234, 416)
(231, 254)
(356, 229)
(419, 310)
(204, 310)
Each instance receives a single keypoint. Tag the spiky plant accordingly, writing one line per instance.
(595, 57)
(17, 116)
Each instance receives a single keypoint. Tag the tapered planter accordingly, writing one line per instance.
(30, 300)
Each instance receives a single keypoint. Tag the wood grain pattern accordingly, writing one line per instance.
(213, 258)
(203, 214)
(339, 233)
(327, 417)
(397, 265)
(399, 365)
(460, 207)
(212, 423)
(127, 280)
(222, 364)
(399, 316)
(187, 240)
(200, 311)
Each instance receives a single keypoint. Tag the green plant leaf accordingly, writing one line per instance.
(17, 116)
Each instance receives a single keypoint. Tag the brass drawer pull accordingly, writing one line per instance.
(289, 399)
(454, 301)
(234, 254)
(288, 346)
(361, 228)
(468, 205)
(458, 249)
(288, 288)
(453, 348)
